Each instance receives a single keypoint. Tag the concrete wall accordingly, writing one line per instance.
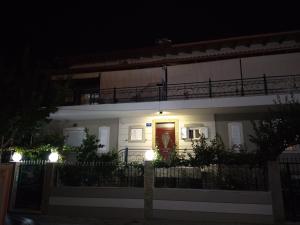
(181, 204)
(271, 65)
(222, 121)
(97, 202)
(91, 125)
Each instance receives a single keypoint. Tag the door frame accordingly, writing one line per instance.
(176, 123)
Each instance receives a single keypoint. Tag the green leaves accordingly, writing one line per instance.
(205, 153)
(87, 152)
(279, 130)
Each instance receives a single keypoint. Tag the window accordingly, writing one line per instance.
(235, 132)
(136, 134)
(194, 133)
(74, 136)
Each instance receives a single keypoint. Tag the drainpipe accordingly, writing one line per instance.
(242, 82)
(165, 68)
(99, 91)
(126, 155)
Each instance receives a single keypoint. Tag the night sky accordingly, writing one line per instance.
(64, 30)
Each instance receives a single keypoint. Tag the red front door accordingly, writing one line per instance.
(165, 138)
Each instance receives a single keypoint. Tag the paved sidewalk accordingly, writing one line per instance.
(55, 220)
(59, 220)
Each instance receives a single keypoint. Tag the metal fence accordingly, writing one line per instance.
(239, 177)
(226, 177)
(98, 174)
(262, 85)
(290, 179)
(30, 180)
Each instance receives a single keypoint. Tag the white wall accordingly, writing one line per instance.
(136, 147)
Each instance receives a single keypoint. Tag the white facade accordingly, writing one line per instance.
(228, 115)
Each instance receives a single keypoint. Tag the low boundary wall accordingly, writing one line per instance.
(177, 204)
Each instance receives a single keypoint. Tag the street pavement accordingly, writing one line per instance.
(55, 220)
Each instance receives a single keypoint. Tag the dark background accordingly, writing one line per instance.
(52, 30)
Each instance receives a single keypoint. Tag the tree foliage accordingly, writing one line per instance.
(27, 98)
(87, 151)
(205, 153)
(279, 130)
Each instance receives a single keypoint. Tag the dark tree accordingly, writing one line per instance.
(279, 130)
(27, 98)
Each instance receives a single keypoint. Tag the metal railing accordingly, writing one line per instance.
(225, 177)
(228, 177)
(103, 174)
(262, 85)
(290, 179)
(99, 174)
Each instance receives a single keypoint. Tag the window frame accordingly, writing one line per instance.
(130, 130)
(194, 129)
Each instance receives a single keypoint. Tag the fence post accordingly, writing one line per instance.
(276, 192)
(14, 187)
(47, 186)
(265, 84)
(148, 190)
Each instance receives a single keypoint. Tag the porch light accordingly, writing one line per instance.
(149, 155)
(16, 157)
(53, 157)
(160, 113)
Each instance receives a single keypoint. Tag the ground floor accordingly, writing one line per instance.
(163, 125)
(166, 131)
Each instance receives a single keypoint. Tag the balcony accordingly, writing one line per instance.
(263, 85)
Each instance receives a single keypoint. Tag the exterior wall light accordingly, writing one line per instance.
(149, 155)
(53, 157)
(16, 157)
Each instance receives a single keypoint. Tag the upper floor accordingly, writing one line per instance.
(243, 66)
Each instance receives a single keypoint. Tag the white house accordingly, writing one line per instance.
(167, 95)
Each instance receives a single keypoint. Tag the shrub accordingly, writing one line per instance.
(205, 153)
(87, 151)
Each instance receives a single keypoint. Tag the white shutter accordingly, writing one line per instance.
(235, 131)
(104, 133)
(184, 133)
(74, 136)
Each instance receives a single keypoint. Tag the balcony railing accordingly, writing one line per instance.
(262, 85)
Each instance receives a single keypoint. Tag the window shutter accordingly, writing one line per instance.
(104, 133)
(74, 136)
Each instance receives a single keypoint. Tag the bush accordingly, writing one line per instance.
(205, 153)
(174, 159)
(87, 151)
